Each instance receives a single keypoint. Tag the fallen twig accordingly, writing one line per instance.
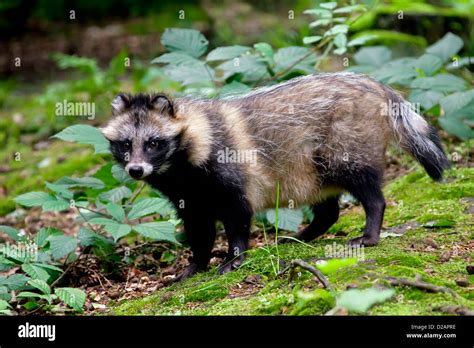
(420, 284)
(300, 263)
(455, 310)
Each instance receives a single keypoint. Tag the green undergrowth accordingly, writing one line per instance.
(435, 248)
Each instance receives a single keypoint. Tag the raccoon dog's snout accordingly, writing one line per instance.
(139, 170)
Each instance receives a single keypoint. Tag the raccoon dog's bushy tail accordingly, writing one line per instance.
(416, 136)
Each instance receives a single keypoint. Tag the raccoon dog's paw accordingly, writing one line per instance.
(364, 240)
(189, 271)
(229, 264)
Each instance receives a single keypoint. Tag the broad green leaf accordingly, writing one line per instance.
(15, 281)
(149, 206)
(340, 40)
(87, 181)
(226, 52)
(41, 238)
(395, 75)
(234, 89)
(32, 199)
(447, 47)
(189, 41)
(250, 67)
(289, 56)
(161, 231)
(85, 134)
(442, 82)
(35, 272)
(56, 205)
(288, 219)
(61, 246)
(11, 232)
(360, 301)
(264, 49)
(48, 266)
(429, 64)
(4, 304)
(459, 63)
(116, 195)
(4, 294)
(189, 75)
(426, 98)
(176, 58)
(117, 230)
(456, 127)
(333, 265)
(116, 211)
(348, 9)
(74, 298)
(320, 22)
(41, 285)
(120, 174)
(311, 39)
(87, 237)
(456, 101)
(375, 56)
(60, 190)
(337, 29)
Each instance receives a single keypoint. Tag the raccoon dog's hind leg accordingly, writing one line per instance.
(365, 185)
(325, 213)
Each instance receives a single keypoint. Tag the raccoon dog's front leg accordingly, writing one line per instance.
(201, 233)
(237, 228)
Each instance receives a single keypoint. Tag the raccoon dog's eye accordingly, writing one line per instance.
(153, 143)
(127, 145)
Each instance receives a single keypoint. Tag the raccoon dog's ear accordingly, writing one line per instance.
(120, 104)
(162, 104)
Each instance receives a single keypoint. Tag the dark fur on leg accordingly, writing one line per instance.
(326, 214)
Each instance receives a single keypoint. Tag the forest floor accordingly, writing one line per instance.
(427, 238)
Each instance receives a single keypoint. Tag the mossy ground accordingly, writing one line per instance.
(438, 254)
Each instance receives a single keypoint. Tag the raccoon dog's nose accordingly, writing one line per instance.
(135, 172)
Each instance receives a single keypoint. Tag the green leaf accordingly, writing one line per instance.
(188, 75)
(117, 230)
(333, 265)
(61, 246)
(41, 285)
(375, 56)
(340, 40)
(35, 272)
(88, 237)
(41, 238)
(74, 298)
(87, 181)
(160, 231)
(447, 47)
(426, 98)
(289, 56)
(48, 266)
(359, 301)
(57, 205)
(328, 5)
(189, 41)
(456, 101)
(32, 199)
(311, 39)
(442, 82)
(226, 52)
(337, 29)
(11, 232)
(149, 206)
(429, 64)
(234, 89)
(4, 305)
(60, 190)
(120, 174)
(250, 67)
(116, 195)
(176, 58)
(320, 22)
(456, 127)
(85, 134)
(361, 40)
(348, 9)
(395, 75)
(116, 211)
(288, 219)
(459, 63)
(15, 281)
(264, 49)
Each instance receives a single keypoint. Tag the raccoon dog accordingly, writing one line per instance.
(221, 159)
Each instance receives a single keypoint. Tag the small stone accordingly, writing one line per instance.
(114, 294)
(431, 243)
(445, 256)
(462, 282)
(470, 269)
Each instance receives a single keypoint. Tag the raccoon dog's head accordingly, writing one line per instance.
(144, 133)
